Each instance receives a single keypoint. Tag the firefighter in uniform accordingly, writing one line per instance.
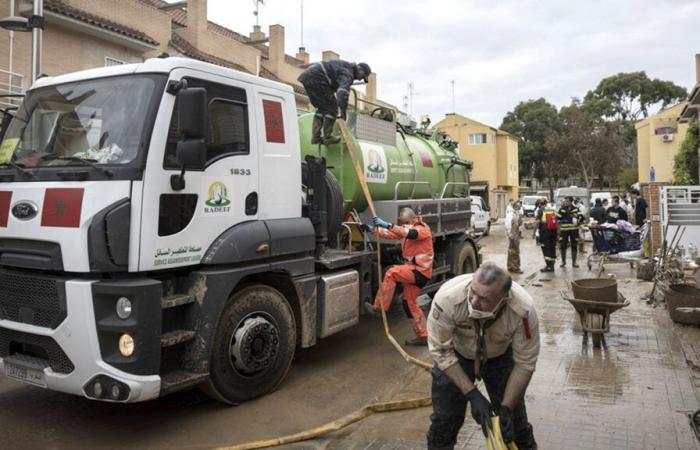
(569, 217)
(417, 253)
(482, 326)
(327, 84)
(544, 217)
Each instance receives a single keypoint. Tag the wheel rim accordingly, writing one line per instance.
(254, 344)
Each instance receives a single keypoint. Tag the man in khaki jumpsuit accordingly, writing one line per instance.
(482, 326)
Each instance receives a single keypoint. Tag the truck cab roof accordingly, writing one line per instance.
(160, 65)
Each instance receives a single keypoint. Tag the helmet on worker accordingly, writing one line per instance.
(362, 71)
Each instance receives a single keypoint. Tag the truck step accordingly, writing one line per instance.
(180, 379)
(176, 337)
(176, 300)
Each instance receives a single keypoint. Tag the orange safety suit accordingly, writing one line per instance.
(417, 252)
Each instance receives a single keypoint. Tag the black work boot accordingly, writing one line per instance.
(573, 257)
(562, 250)
(328, 138)
(316, 127)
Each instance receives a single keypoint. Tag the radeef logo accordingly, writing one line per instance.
(218, 200)
(375, 162)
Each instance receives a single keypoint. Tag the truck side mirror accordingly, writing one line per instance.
(192, 113)
(192, 123)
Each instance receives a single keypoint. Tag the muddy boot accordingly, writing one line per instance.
(316, 127)
(328, 138)
(369, 309)
(573, 257)
(418, 341)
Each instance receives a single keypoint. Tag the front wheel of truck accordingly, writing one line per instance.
(253, 347)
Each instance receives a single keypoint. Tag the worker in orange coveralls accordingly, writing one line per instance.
(417, 253)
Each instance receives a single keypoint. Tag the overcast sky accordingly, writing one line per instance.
(498, 52)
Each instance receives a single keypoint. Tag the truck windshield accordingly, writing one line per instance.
(100, 121)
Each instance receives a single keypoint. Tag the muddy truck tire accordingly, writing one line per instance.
(464, 259)
(253, 347)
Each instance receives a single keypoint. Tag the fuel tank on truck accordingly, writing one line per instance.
(399, 163)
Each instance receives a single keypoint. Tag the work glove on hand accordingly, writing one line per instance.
(507, 424)
(378, 222)
(365, 228)
(482, 411)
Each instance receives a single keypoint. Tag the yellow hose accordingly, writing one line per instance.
(374, 407)
(494, 438)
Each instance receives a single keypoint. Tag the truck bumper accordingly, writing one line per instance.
(69, 355)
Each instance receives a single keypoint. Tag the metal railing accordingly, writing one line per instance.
(680, 205)
(452, 183)
(413, 183)
(11, 84)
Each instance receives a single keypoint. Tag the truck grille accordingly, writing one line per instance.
(33, 300)
(16, 342)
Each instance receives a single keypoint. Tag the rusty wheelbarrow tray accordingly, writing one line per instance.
(595, 315)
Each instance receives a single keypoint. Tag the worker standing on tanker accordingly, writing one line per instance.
(414, 273)
(569, 217)
(327, 84)
(482, 326)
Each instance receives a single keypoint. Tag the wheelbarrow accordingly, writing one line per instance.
(595, 299)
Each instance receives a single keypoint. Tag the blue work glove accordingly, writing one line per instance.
(378, 222)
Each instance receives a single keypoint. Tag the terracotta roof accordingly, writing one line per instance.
(179, 17)
(180, 44)
(61, 7)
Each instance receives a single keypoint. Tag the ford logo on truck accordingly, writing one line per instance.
(25, 210)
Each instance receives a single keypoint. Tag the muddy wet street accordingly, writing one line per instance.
(634, 394)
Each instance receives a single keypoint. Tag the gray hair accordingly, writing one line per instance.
(490, 273)
(408, 211)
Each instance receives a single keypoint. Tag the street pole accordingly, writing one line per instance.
(37, 33)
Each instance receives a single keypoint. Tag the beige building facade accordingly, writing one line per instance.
(659, 138)
(84, 34)
(495, 156)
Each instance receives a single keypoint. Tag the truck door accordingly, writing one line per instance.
(179, 225)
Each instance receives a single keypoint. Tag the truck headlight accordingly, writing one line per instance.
(123, 308)
(126, 345)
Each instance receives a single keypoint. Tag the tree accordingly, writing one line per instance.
(532, 122)
(626, 177)
(593, 146)
(685, 163)
(624, 98)
(630, 96)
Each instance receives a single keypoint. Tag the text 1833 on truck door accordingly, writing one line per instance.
(154, 236)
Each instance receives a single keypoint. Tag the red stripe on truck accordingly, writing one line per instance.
(62, 207)
(5, 200)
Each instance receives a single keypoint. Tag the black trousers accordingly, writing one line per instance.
(450, 405)
(548, 241)
(322, 97)
(566, 236)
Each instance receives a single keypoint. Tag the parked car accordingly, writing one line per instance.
(528, 202)
(481, 220)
